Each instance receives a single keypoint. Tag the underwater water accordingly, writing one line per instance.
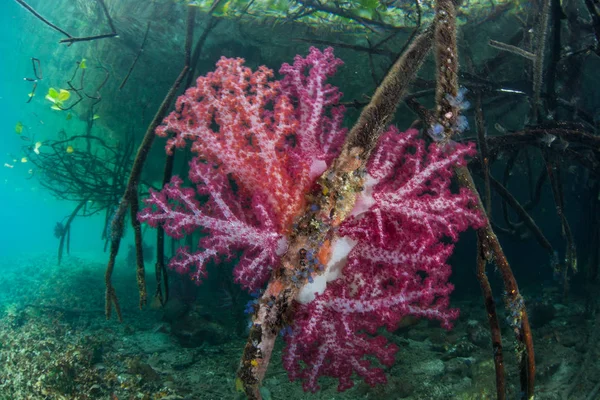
(407, 210)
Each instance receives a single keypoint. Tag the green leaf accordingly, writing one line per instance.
(64, 95)
(280, 5)
(56, 107)
(19, 128)
(365, 13)
(222, 8)
(371, 4)
(52, 93)
(82, 64)
(96, 116)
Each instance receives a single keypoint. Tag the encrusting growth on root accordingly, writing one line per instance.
(335, 197)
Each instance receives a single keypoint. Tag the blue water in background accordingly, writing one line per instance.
(28, 211)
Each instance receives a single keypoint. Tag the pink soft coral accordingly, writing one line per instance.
(261, 144)
(274, 137)
(396, 264)
(233, 221)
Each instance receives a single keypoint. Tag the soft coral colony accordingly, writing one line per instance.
(343, 247)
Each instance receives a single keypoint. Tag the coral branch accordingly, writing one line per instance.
(231, 227)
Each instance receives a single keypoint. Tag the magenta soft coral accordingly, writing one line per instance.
(396, 264)
(320, 136)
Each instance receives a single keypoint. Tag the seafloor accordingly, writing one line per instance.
(55, 343)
